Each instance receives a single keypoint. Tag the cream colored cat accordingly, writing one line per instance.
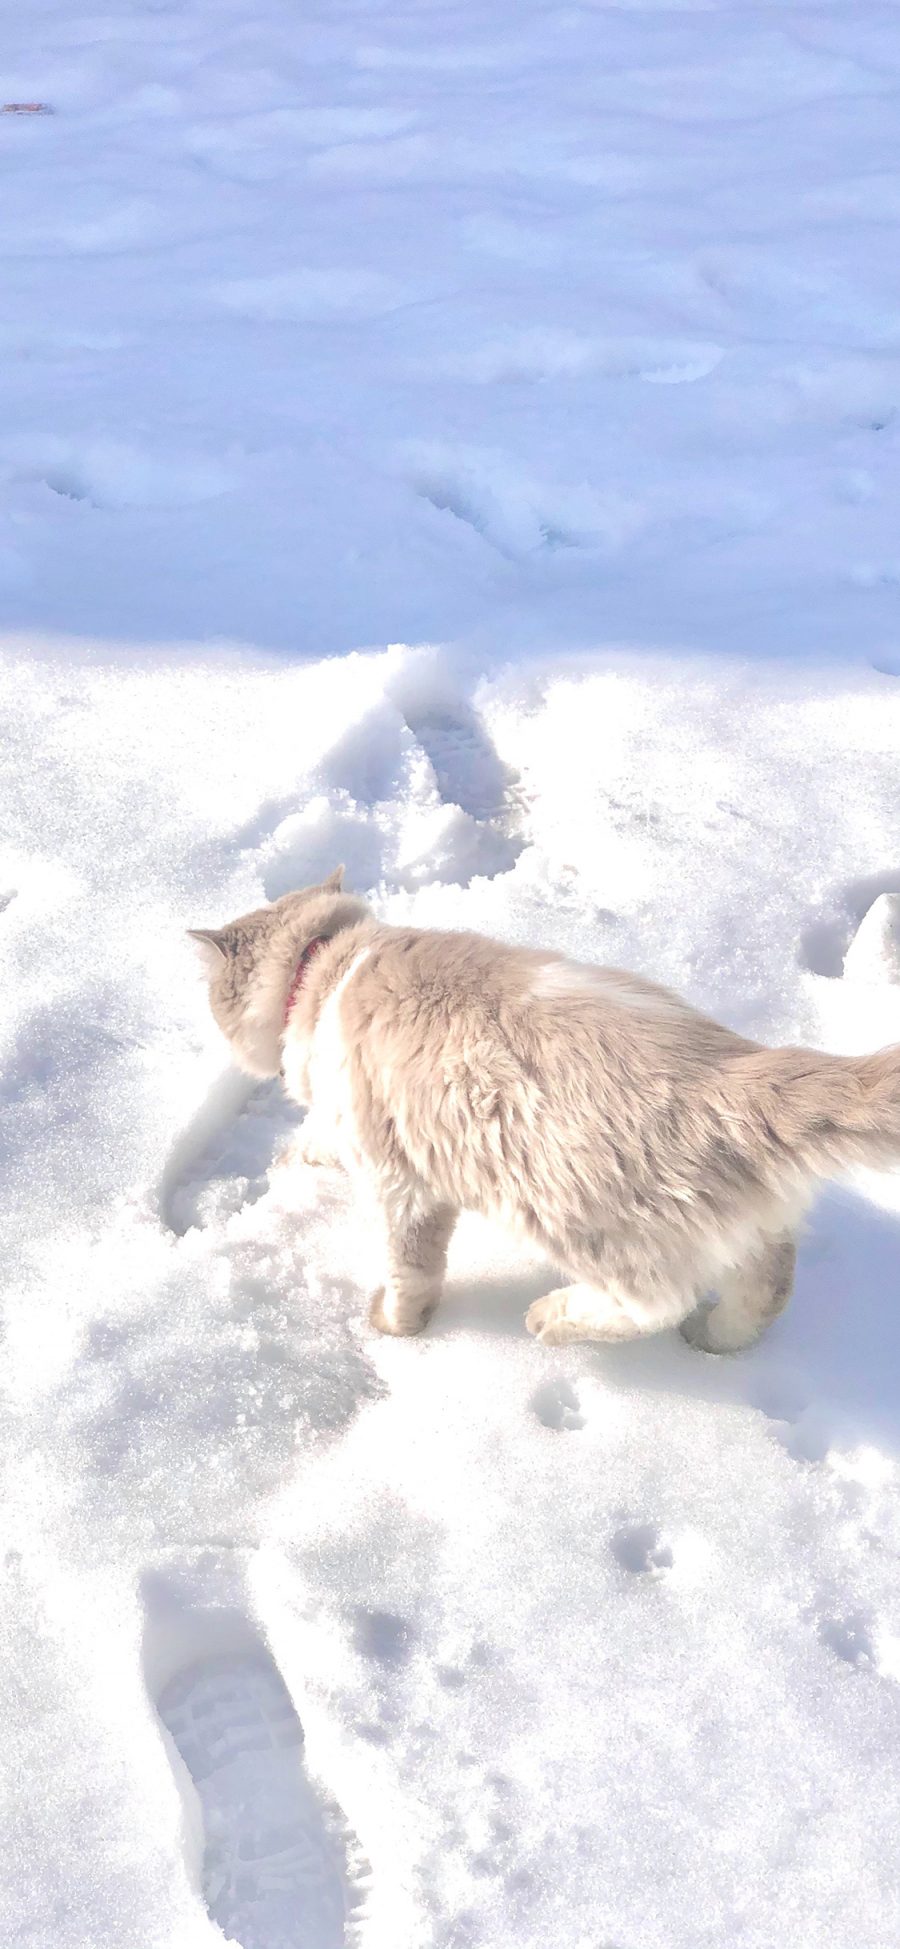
(652, 1154)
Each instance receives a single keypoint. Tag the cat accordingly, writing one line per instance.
(652, 1154)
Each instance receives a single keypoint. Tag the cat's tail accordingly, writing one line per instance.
(824, 1113)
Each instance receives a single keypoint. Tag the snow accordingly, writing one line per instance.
(462, 442)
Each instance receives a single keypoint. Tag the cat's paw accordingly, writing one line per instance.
(546, 1319)
(702, 1331)
(695, 1330)
(400, 1325)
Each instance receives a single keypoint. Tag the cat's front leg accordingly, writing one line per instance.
(417, 1241)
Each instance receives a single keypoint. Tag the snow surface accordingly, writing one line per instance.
(462, 441)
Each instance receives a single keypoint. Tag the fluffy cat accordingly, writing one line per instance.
(653, 1155)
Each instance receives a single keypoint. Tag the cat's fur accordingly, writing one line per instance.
(651, 1153)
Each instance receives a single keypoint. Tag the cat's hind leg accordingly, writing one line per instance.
(750, 1296)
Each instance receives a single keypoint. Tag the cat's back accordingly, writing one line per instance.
(450, 999)
(500, 1072)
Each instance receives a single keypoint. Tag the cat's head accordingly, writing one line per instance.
(250, 963)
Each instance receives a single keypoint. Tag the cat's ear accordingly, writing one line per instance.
(334, 881)
(211, 945)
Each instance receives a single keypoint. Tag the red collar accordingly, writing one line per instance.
(299, 972)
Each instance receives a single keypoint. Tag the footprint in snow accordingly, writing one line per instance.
(860, 1641)
(276, 1868)
(850, 1638)
(513, 521)
(470, 776)
(469, 824)
(556, 1405)
(467, 769)
(383, 1636)
(274, 1863)
(641, 1549)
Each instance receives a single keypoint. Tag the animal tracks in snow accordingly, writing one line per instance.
(642, 1550)
(850, 1638)
(857, 1638)
(556, 1404)
(384, 1636)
